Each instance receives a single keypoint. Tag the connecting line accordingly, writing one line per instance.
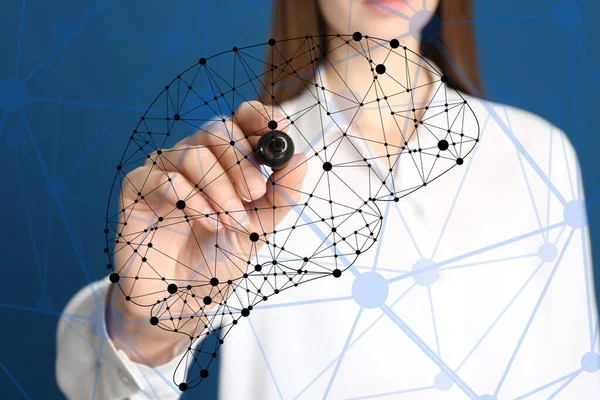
(488, 106)
(13, 380)
(36, 255)
(533, 313)
(458, 191)
(573, 103)
(595, 334)
(344, 350)
(115, 117)
(301, 303)
(372, 396)
(586, 60)
(60, 207)
(428, 351)
(43, 312)
(475, 252)
(97, 374)
(524, 152)
(510, 303)
(68, 39)
(90, 104)
(588, 289)
(547, 385)
(498, 19)
(490, 109)
(262, 352)
(564, 385)
(20, 39)
(367, 329)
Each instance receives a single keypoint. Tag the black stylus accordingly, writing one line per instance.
(275, 149)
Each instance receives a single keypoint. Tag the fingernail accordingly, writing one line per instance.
(254, 182)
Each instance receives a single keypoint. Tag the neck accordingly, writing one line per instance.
(352, 71)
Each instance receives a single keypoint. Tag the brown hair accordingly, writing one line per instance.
(295, 18)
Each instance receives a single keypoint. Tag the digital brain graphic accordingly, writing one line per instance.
(194, 265)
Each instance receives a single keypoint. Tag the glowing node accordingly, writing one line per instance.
(443, 381)
(575, 214)
(429, 274)
(590, 362)
(567, 15)
(370, 290)
(548, 252)
(56, 187)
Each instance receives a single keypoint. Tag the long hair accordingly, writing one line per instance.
(294, 18)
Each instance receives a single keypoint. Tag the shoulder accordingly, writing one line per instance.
(508, 130)
(524, 154)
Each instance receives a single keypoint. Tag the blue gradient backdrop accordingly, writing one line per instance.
(87, 69)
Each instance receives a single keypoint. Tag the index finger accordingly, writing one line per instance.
(256, 119)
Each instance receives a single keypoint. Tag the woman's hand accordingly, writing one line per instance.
(191, 220)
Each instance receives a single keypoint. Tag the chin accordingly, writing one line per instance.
(388, 29)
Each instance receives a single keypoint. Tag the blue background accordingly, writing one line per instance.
(75, 76)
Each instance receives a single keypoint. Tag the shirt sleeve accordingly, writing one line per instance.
(88, 365)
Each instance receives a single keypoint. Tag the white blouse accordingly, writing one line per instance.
(505, 307)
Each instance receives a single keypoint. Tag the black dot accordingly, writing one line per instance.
(176, 117)
(337, 273)
(207, 300)
(459, 161)
(272, 125)
(254, 237)
(357, 36)
(235, 49)
(245, 312)
(394, 43)
(153, 321)
(214, 281)
(444, 79)
(258, 268)
(327, 166)
(183, 386)
(204, 373)
(180, 204)
(443, 145)
(202, 61)
(114, 277)
(380, 69)
(172, 288)
(272, 42)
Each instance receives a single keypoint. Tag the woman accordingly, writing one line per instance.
(408, 320)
